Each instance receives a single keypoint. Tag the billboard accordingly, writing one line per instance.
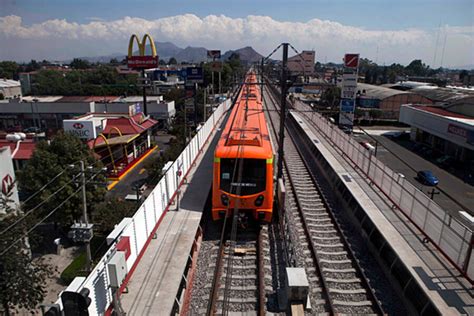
(81, 128)
(214, 54)
(194, 75)
(216, 66)
(142, 61)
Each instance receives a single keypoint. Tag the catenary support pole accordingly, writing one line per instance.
(282, 110)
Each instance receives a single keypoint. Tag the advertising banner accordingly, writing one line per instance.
(194, 75)
(214, 54)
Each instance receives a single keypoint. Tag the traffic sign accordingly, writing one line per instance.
(214, 54)
(351, 60)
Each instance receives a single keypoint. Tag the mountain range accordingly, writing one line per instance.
(190, 54)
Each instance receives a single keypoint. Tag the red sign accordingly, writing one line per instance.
(7, 184)
(457, 130)
(351, 60)
(142, 62)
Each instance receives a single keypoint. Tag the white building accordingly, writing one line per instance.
(10, 89)
(446, 130)
(7, 176)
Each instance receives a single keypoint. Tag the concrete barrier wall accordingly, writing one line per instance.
(146, 220)
(449, 234)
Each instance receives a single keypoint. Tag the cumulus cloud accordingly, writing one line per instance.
(329, 39)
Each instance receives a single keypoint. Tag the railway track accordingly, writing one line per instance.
(337, 282)
(239, 274)
(234, 274)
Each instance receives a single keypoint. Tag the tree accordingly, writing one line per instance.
(417, 68)
(331, 97)
(172, 61)
(9, 69)
(114, 62)
(109, 213)
(78, 63)
(22, 279)
(47, 161)
(161, 62)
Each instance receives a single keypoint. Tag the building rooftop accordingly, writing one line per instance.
(377, 92)
(444, 95)
(21, 150)
(7, 83)
(444, 113)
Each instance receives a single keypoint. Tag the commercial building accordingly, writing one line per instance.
(9, 190)
(48, 112)
(21, 148)
(387, 100)
(118, 140)
(448, 130)
(10, 89)
(302, 64)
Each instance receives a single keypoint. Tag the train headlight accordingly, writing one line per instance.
(225, 199)
(259, 200)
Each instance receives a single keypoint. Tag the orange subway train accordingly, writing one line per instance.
(243, 160)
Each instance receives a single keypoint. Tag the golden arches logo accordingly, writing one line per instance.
(141, 45)
(142, 61)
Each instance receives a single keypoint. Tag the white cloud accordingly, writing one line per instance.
(330, 39)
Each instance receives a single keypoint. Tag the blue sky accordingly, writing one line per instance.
(440, 32)
(373, 14)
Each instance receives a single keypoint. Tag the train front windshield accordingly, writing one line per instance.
(253, 176)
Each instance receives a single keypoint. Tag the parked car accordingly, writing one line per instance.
(445, 161)
(32, 129)
(427, 177)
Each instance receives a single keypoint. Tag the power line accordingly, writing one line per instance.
(36, 207)
(45, 217)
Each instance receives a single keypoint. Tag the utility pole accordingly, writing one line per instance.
(220, 83)
(144, 93)
(84, 215)
(261, 79)
(282, 110)
(204, 105)
(195, 105)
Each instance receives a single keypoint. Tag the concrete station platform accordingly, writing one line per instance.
(156, 280)
(448, 291)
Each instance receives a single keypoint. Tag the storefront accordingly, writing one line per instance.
(446, 132)
(118, 140)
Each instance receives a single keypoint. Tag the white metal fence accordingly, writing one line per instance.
(449, 234)
(145, 221)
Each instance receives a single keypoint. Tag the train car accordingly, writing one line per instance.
(243, 160)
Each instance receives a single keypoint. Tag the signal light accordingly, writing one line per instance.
(225, 199)
(76, 303)
(259, 200)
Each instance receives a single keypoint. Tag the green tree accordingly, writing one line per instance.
(417, 68)
(9, 70)
(331, 97)
(22, 279)
(172, 61)
(110, 212)
(78, 63)
(47, 161)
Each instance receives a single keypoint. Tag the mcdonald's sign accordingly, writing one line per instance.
(142, 61)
